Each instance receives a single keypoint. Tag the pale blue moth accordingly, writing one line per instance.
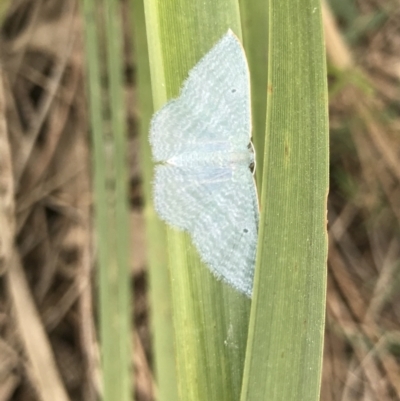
(203, 183)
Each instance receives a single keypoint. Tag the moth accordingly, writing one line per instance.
(201, 142)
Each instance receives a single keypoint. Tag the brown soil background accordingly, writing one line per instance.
(47, 302)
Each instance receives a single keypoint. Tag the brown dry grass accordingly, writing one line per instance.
(363, 305)
(48, 341)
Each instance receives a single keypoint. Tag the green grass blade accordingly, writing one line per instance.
(117, 372)
(110, 202)
(284, 354)
(160, 289)
(210, 319)
(254, 15)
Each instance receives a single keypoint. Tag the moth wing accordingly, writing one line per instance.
(213, 109)
(218, 207)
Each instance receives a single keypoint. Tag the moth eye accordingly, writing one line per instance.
(252, 167)
(245, 230)
(233, 90)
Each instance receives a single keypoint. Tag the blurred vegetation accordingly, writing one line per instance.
(49, 346)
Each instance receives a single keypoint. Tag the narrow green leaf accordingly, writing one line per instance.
(254, 15)
(160, 289)
(210, 318)
(284, 353)
(110, 200)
